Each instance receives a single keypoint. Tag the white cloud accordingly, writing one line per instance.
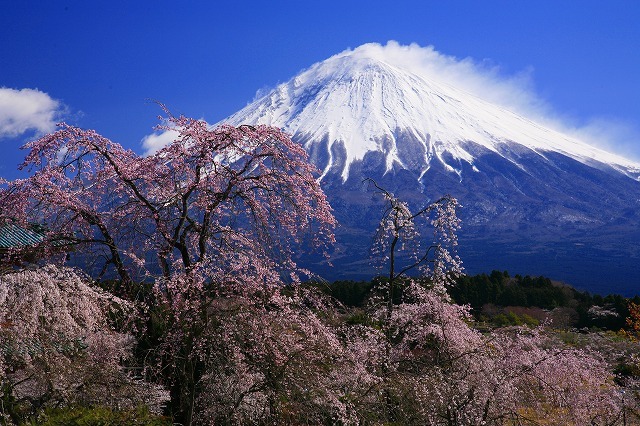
(27, 110)
(611, 134)
(156, 141)
(483, 79)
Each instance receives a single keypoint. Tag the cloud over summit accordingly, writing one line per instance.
(516, 92)
(483, 78)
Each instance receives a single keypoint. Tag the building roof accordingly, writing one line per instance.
(12, 235)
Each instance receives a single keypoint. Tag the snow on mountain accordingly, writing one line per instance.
(361, 100)
(536, 201)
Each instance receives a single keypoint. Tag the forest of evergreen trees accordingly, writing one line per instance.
(501, 299)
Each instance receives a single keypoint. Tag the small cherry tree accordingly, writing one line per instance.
(276, 362)
(448, 373)
(438, 370)
(59, 345)
(401, 246)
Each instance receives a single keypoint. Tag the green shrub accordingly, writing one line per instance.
(98, 416)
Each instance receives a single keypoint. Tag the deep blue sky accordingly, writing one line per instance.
(102, 61)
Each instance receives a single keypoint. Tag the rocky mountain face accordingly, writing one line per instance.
(535, 201)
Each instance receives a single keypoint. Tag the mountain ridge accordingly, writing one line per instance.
(362, 101)
(536, 199)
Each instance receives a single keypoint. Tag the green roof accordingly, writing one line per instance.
(12, 235)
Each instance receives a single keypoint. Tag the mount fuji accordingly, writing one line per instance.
(535, 200)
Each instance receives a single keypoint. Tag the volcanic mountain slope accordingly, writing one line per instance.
(536, 201)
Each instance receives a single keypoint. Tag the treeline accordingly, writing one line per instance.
(501, 299)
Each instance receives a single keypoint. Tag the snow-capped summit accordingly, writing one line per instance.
(365, 100)
(536, 200)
